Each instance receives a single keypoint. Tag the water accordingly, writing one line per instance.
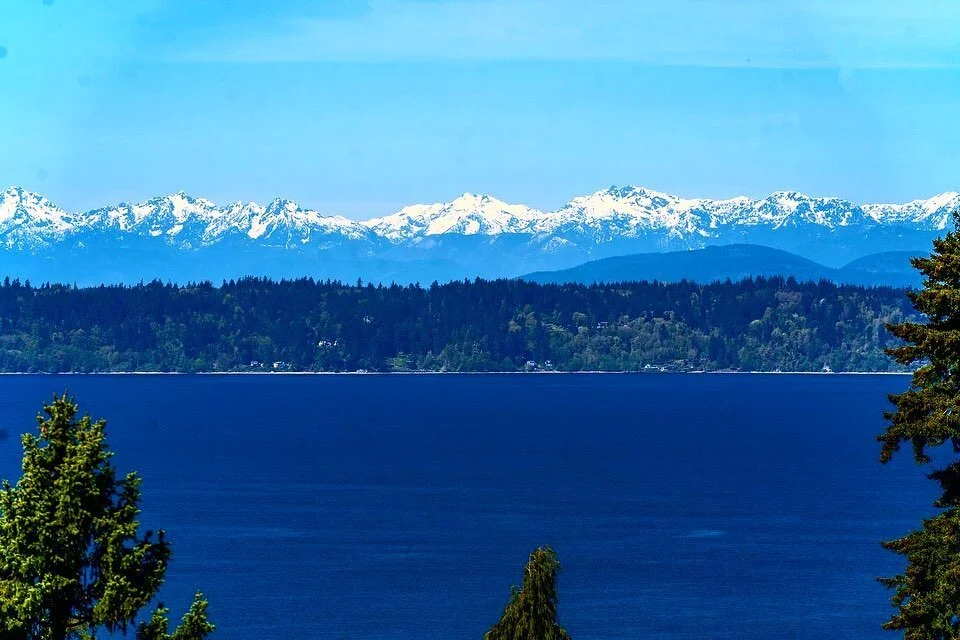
(404, 507)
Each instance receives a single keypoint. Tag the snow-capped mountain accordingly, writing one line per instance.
(789, 208)
(620, 213)
(631, 211)
(285, 223)
(467, 215)
(627, 212)
(196, 222)
(932, 213)
(178, 236)
(28, 220)
(176, 218)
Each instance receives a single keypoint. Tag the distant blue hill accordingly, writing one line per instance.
(735, 262)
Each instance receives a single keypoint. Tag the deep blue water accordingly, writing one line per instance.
(711, 506)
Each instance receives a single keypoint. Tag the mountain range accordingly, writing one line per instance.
(736, 262)
(180, 237)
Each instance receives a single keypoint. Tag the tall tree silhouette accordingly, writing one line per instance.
(926, 595)
(531, 613)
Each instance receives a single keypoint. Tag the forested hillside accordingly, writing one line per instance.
(502, 325)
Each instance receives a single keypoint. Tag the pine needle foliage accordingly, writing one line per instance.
(73, 564)
(195, 625)
(926, 596)
(531, 613)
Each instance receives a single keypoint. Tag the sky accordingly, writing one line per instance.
(360, 107)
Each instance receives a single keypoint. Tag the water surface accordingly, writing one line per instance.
(403, 507)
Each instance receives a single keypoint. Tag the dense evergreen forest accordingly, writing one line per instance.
(504, 325)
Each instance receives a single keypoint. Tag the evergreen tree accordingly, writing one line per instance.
(926, 595)
(72, 562)
(531, 613)
(195, 625)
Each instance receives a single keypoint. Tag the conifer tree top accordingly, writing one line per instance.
(531, 613)
(926, 596)
(72, 558)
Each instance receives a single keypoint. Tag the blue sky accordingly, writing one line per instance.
(359, 107)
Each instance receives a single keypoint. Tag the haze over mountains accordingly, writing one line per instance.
(736, 262)
(179, 237)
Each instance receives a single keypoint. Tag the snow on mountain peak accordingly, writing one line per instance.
(932, 213)
(625, 212)
(28, 219)
(631, 211)
(469, 214)
(194, 222)
(791, 208)
(286, 221)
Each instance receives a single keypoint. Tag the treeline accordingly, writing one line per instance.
(502, 325)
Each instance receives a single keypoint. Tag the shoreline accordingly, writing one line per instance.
(457, 373)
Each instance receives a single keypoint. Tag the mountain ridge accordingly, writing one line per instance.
(736, 262)
(634, 208)
(180, 236)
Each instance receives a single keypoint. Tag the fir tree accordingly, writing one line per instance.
(531, 613)
(926, 595)
(195, 625)
(72, 561)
